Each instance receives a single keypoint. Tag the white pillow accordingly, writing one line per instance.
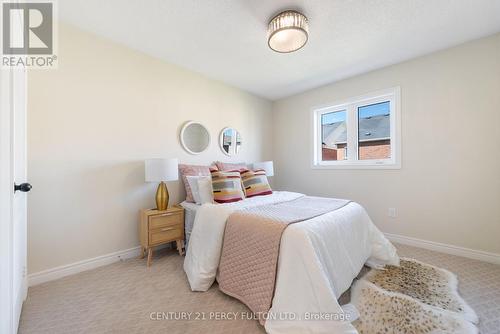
(193, 184)
(193, 181)
(205, 190)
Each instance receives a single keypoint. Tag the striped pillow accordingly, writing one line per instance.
(226, 186)
(255, 183)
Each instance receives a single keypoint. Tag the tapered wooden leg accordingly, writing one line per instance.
(179, 246)
(150, 256)
(143, 252)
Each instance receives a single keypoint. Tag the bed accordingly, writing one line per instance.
(318, 260)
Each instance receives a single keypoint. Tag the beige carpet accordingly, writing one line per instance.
(120, 298)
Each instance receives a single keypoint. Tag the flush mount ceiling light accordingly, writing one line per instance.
(287, 31)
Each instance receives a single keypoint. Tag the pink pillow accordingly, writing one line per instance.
(224, 166)
(193, 170)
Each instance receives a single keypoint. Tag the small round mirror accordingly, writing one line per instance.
(230, 141)
(194, 137)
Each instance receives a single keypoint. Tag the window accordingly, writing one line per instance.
(333, 135)
(374, 131)
(361, 132)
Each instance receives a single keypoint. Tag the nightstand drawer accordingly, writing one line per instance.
(164, 220)
(165, 234)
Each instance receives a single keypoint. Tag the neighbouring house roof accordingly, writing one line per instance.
(370, 129)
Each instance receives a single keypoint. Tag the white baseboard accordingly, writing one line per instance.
(445, 248)
(74, 268)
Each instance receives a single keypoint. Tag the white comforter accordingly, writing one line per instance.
(318, 260)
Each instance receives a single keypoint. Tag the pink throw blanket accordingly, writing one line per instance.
(248, 264)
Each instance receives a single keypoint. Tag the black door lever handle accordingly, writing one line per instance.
(24, 187)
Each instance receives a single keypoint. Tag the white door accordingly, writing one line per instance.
(13, 227)
(19, 210)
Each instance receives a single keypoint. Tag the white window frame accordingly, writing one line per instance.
(393, 95)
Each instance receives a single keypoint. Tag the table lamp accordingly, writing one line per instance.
(160, 170)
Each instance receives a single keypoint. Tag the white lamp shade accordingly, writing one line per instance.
(265, 165)
(157, 170)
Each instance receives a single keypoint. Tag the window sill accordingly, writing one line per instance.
(357, 166)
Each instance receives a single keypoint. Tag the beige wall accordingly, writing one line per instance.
(93, 121)
(448, 189)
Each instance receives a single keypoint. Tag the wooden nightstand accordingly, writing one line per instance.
(160, 227)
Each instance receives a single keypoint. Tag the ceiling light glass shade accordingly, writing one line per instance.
(288, 31)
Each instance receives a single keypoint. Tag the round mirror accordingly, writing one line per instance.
(194, 137)
(230, 141)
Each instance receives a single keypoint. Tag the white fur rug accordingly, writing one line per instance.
(412, 298)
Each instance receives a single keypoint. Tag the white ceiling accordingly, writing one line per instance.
(226, 39)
